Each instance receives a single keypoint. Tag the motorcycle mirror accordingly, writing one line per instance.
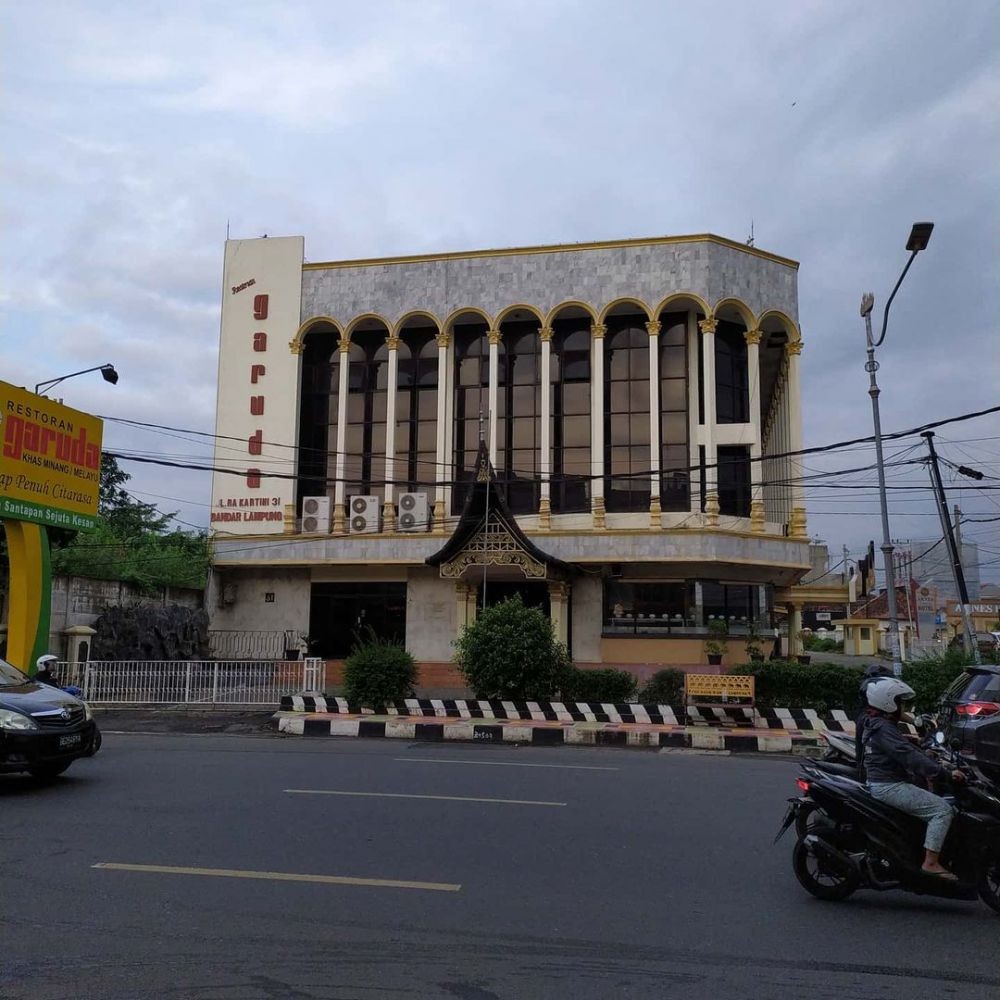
(939, 738)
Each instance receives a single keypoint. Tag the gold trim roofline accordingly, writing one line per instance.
(553, 248)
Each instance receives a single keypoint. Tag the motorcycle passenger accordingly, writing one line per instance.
(43, 670)
(890, 761)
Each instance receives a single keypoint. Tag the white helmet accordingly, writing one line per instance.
(887, 693)
(45, 659)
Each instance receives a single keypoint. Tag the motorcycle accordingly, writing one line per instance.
(848, 840)
(95, 745)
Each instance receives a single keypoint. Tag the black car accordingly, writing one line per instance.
(970, 711)
(42, 728)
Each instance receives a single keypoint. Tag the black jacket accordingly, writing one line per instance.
(890, 757)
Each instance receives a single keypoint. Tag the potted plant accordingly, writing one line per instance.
(716, 643)
(754, 648)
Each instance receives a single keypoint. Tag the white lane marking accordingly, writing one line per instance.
(439, 798)
(379, 883)
(505, 763)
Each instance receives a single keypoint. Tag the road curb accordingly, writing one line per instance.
(547, 733)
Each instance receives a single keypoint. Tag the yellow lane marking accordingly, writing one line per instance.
(505, 763)
(378, 883)
(439, 798)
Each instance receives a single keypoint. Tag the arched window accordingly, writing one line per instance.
(570, 375)
(472, 380)
(519, 437)
(317, 413)
(674, 454)
(626, 414)
(416, 411)
(367, 382)
(732, 391)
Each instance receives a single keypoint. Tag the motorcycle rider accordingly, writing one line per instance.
(873, 672)
(890, 760)
(43, 670)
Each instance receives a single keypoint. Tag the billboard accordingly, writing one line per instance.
(50, 461)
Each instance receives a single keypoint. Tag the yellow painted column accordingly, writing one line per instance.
(30, 593)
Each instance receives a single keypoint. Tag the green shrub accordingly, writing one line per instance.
(822, 686)
(378, 673)
(817, 644)
(665, 687)
(604, 686)
(929, 675)
(510, 651)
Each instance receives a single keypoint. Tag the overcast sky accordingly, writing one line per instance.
(135, 132)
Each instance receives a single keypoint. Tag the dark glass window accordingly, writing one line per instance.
(518, 411)
(675, 491)
(416, 411)
(570, 375)
(367, 384)
(734, 480)
(738, 604)
(317, 414)
(472, 400)
(626, 415)
(341, 612)
(732, 392)
(519, 437)
(648, 606)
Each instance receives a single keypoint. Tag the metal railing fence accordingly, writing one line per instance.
(195, 682)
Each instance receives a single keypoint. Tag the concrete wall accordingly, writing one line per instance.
(77, 600)
(587, 599)
(431, 616)
(252, 612)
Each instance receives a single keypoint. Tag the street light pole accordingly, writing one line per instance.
(919, 236)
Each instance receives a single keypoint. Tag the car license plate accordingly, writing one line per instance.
(72, 740)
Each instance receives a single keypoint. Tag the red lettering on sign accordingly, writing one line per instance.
(260, 342)
(257, 372)
(255, 442)
(256, 406)
(260, 307)
(253, 479)
(20, 436)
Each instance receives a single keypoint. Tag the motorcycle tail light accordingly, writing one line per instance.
(803, 784)
(978, 709)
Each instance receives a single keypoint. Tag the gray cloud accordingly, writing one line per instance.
(403, 127)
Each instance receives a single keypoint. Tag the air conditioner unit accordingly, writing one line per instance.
(364, 512)
(413, 511)
(315, 515)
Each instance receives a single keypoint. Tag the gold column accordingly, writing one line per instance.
(441, 462)
(597, 332)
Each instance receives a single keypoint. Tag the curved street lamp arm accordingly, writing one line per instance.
(51, 383)
(885, 314)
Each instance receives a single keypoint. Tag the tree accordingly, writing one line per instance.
(132, 542)
(510, 651)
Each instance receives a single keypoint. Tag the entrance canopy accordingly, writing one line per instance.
(488, 536)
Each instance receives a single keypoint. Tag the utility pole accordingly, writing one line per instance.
(953, 551)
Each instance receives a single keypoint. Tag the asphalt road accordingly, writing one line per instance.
(593, 874)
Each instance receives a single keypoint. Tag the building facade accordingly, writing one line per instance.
(637, 404)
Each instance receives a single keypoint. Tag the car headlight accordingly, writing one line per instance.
(15, 720)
